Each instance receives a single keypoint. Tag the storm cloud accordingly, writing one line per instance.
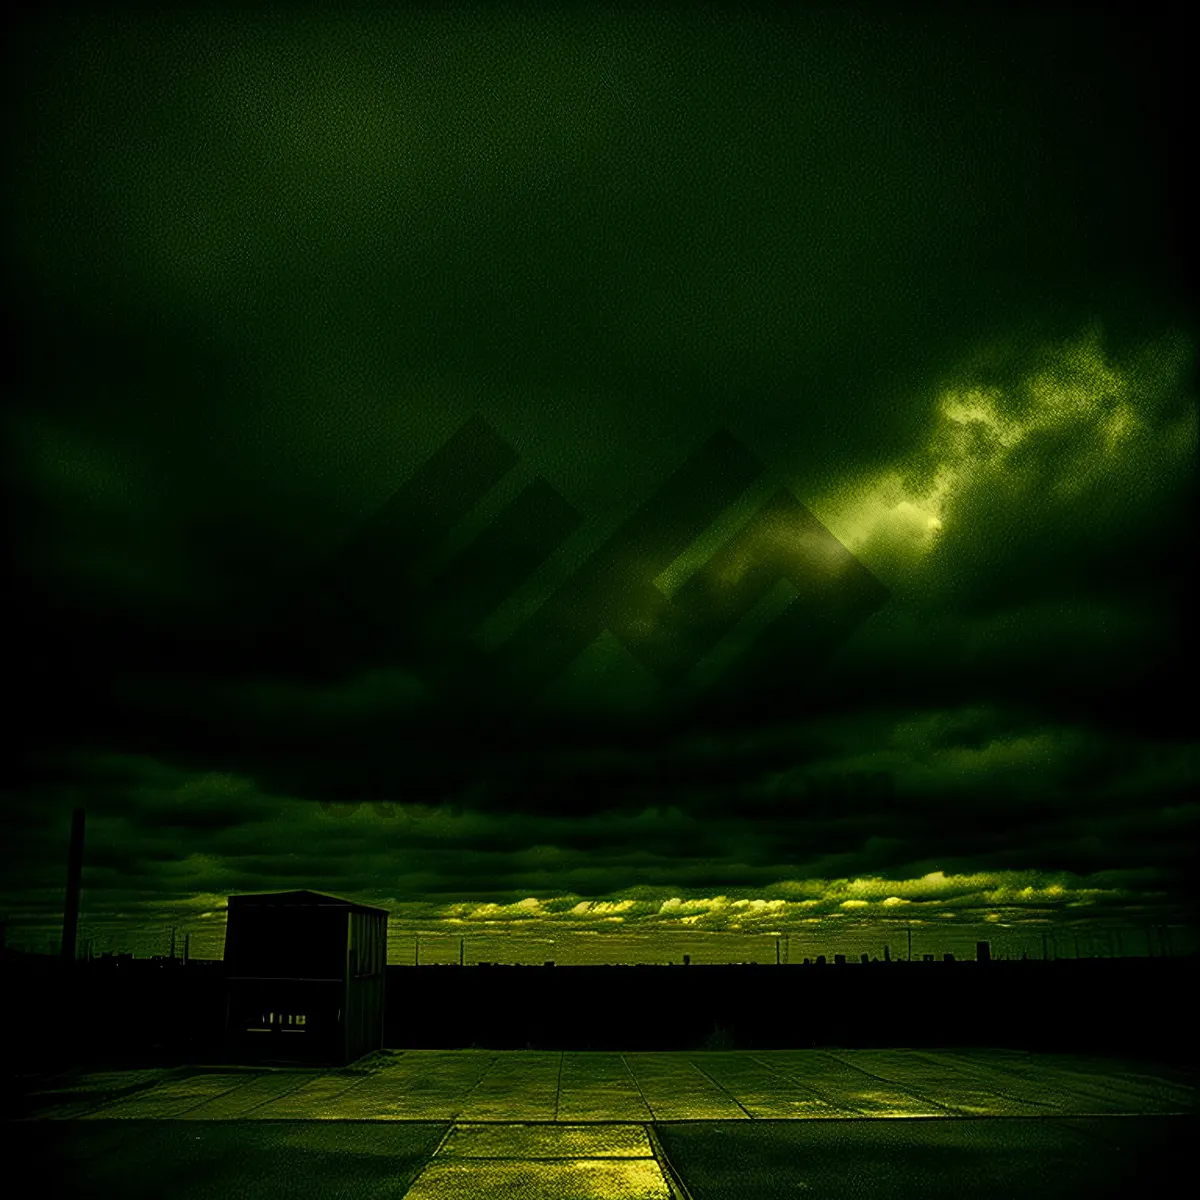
(926, 271)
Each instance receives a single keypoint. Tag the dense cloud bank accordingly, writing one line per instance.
(927, 273)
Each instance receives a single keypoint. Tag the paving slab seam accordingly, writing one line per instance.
(717, 1083)
(208, 1099)
(450, 1127)
(558, 1083)
(548, 1123)
(471, 1090)
(354, 1083)
(799, 1080)
(544, 1158)
(190, 1108)
(124, 1093)
(1129, 1079)
(679, 1189)
(955, 1117)
(976, 1078)
(1082, 1133)
(946, 1108)
(282, 1095)
(1087, 1086)
(966, 1073)
(1067, 1081)
(1017, 1069)
(637, 1084)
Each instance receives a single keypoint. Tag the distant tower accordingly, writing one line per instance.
(74, 886)
(187, 947)
(887, 954)
(416, 949)
(777, 952)
(910, 943)
(983, 952)
(172, 943)
(461, 950)
(866, 958)
(839, 960)
(687, 960)
(820, 960)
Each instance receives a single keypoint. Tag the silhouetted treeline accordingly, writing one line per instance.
(139, 1011)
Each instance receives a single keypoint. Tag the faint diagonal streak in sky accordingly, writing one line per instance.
(374, 577)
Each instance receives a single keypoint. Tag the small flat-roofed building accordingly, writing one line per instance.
(305, 977)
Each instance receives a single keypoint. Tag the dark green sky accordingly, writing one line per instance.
(930, 269)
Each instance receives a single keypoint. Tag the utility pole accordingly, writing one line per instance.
(777, 952)
(187, 946)
(461, 944)
(173, 943)
(910, 943)
(74, 886)
(416, 949)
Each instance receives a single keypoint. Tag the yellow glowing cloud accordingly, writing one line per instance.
(1011, 896)
(1087, 403)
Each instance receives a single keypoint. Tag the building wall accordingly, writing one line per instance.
(281, 941)
(303, 1020)
(366, 973)
(323, 963)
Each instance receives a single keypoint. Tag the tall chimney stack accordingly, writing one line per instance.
(74, 885)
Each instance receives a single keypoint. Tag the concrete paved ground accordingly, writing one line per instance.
(480, 1086)
(445, 1125)
(999, 1158)
(864, 1158)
